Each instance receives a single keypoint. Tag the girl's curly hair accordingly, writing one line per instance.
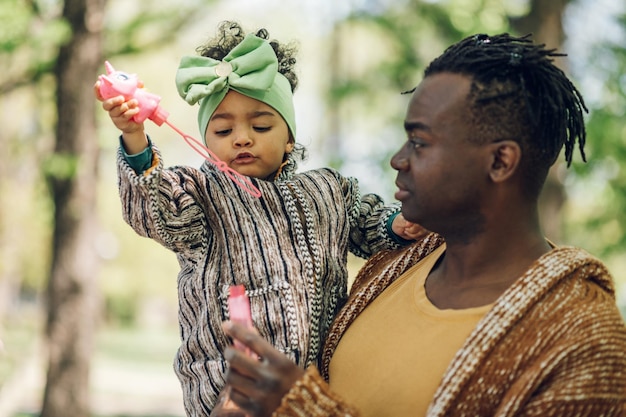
(230, 34)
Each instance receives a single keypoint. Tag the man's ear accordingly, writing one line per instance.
(505, 159)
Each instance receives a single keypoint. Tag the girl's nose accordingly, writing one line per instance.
(242, 140)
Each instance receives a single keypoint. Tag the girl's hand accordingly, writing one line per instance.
(258, 385)
(120, 111)
(407, 230)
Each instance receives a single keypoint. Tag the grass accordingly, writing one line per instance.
(131, 368)
(100, 415)
(137, 345)
(17, 337)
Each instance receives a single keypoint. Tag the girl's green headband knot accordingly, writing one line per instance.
(250, 68)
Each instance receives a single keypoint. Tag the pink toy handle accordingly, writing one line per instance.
(239, 311)
(119, 83)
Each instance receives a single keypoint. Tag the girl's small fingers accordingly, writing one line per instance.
(129, 112)
(113, 102)
(96, 91)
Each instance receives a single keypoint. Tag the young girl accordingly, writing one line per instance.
(288, 247)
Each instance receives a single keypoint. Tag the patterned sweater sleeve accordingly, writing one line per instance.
(164, 205)
(369, 218)
(311, 396)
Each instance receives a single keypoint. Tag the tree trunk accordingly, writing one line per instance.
(545, 22)
(72, 175)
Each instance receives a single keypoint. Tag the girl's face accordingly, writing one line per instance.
(248, 135)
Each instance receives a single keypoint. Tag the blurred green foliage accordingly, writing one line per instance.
(381, 48)
(394, 40)
(18, 339)
(598, 209)
(401, 38)
(413, 32)
(31, 34)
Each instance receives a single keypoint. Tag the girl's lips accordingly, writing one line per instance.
(244, 158)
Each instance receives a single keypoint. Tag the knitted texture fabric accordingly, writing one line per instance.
(554, 344)
(311, 396)
(288, 248)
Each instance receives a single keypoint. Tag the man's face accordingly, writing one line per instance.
(441, 174)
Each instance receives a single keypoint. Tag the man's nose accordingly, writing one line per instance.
(399, 162)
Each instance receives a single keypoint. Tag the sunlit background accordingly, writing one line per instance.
(355, 58)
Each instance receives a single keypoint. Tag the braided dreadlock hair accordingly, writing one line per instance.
(518, 93)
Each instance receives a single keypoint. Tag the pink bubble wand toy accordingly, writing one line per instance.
(119, 83)
(239, 312)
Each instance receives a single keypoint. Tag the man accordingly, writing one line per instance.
(485, 316)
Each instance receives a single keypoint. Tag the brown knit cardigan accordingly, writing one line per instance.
(554, 344)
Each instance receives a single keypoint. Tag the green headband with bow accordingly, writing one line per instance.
(250, 68)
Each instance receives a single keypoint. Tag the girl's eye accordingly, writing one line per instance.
(224, 132)
(262, 129)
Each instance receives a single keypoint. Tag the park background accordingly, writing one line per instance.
(87, 308)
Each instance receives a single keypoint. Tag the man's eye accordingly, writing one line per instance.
(415, 143)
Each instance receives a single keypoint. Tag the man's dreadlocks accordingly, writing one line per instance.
(519, 94)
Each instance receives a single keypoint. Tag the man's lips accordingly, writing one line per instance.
(402, 192)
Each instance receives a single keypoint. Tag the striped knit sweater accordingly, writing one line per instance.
(554, 344)
(289, 248)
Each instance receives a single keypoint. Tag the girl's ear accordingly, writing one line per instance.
(289, 147)
(505, 159)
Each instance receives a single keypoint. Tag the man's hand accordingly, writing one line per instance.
(258, 385)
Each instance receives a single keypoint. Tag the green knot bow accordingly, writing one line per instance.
(250, 68)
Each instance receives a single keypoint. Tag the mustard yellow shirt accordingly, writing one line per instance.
(391, 359)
